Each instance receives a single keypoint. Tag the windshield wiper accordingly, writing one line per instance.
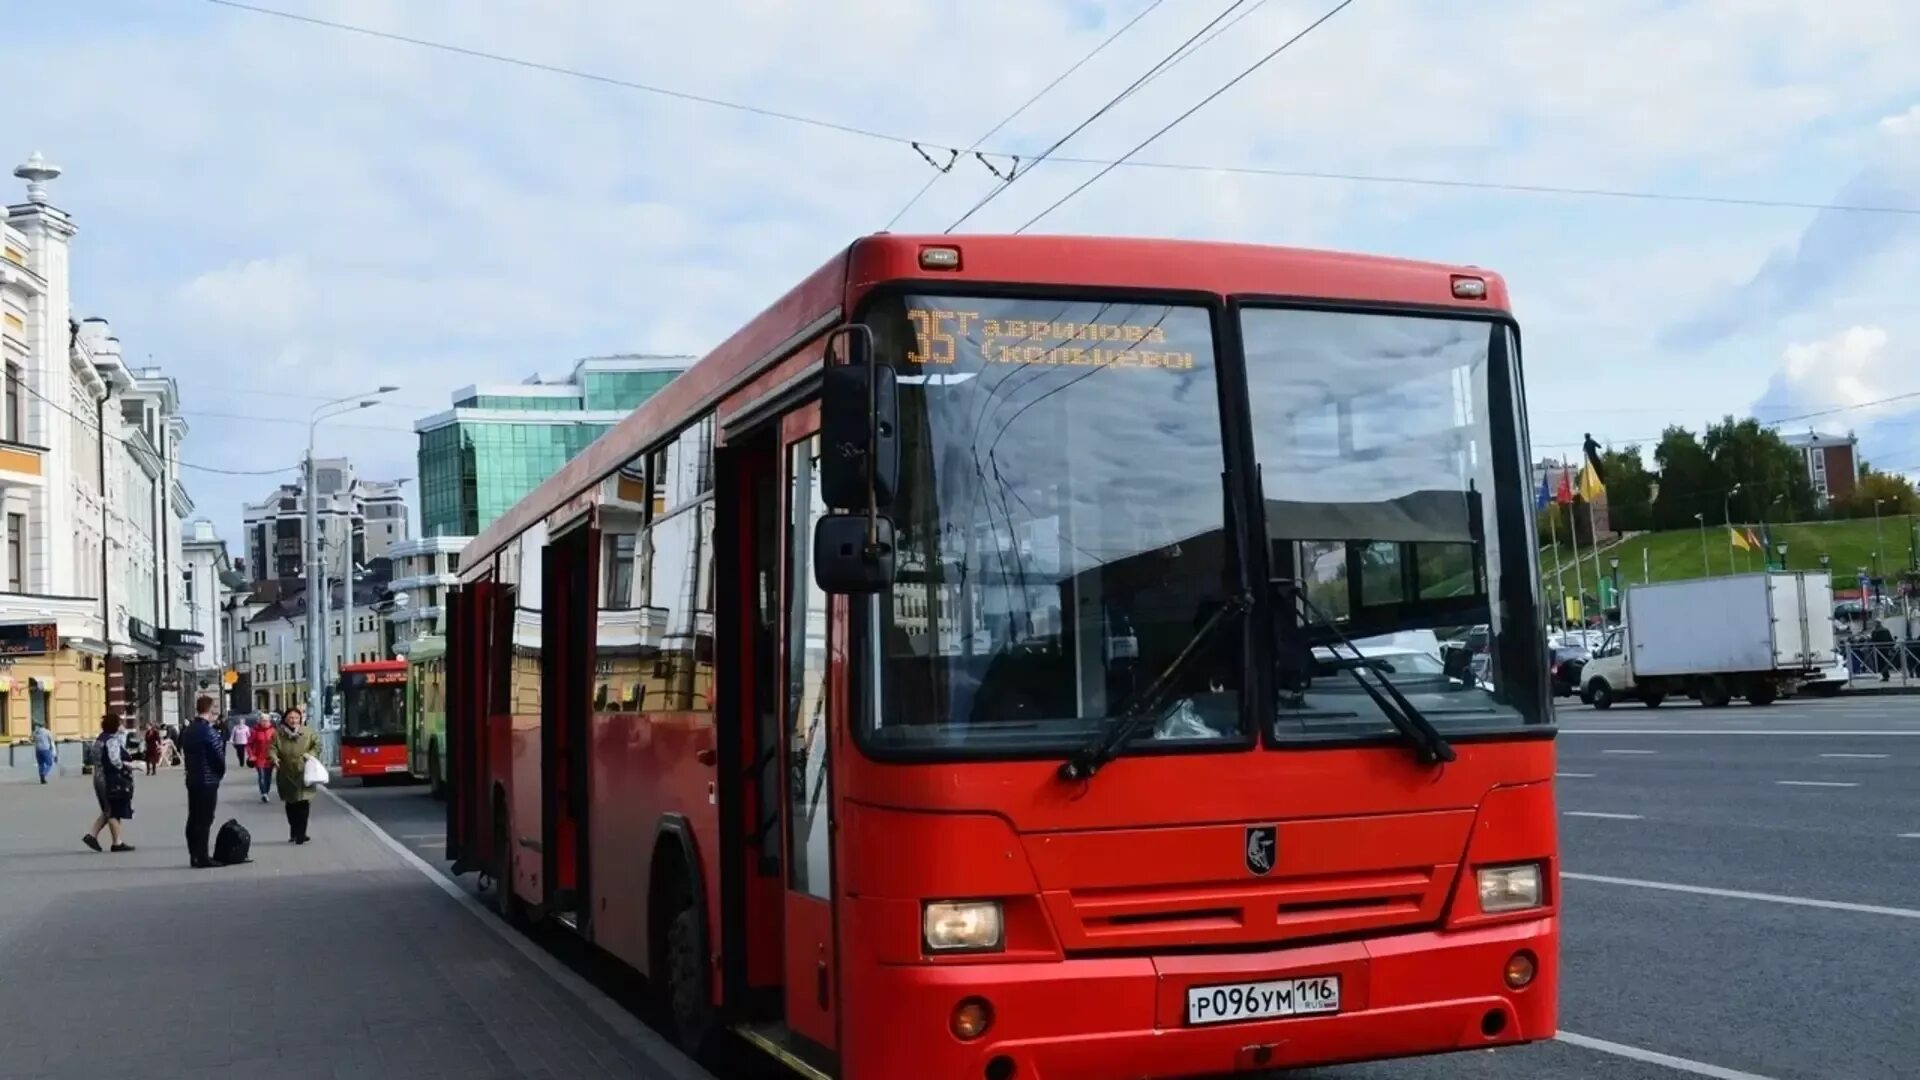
(1429, 745)
(1106, 745)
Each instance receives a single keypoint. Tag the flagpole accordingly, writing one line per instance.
(1579, 583)
(1559, 571)
(1593, 542)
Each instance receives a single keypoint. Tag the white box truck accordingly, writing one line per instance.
(1754, 636)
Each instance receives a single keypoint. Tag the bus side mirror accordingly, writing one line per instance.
(859, 424)
(849, 561)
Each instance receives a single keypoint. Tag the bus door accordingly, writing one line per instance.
(467, 617)
(566, 629)
(811, 976)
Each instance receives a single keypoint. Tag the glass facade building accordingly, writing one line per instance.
(498, 443)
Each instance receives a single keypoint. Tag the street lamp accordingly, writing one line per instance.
(1701, 517)
(316, 571)
(1879, 543)
(1727, 508)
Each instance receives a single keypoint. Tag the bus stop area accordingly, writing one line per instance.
(339, 958)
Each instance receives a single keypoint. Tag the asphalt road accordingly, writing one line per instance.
(1741, 895)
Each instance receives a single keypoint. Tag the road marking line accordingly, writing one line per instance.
(423, 836)
(1861, 757)
(1735, 731)
(1576, 775)
(1816, 783)
(1742, 894)
(1910, 836)
(1629, 751)
(1598, 814)
(1655, 1057)
(644, 1040)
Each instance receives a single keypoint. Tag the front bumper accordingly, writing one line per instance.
(1103, 1018)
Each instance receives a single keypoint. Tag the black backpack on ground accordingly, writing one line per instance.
(232, 843)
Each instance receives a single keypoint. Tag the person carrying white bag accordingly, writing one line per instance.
(297, 771)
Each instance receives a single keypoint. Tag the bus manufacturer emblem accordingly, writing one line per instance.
(1262, 843)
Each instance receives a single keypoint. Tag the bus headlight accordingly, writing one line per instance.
(961, 926)
(1510, 888)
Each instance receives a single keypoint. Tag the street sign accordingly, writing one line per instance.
(229, 677)
(29, 639)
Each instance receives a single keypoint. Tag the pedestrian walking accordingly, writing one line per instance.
(239, 734)
(1882, 639)
(293, 743)
(152, 749)
(44, 754)
(112, 785)
(206, 766)
(260, 748)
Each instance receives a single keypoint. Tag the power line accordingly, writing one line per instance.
(1201, 104)
(94, 426)
(574, 73)
(1639, 439)
(1488, 185)
(1008, 180)
(1124, 162)
(1024, 106)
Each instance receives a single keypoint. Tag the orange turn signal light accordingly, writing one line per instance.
(971, 1019)
(1520, 969)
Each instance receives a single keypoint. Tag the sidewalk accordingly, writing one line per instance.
(339, 958)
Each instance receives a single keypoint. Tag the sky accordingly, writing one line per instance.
(279, 213)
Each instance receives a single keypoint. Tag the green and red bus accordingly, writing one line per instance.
(373, 719)
(1018, 657)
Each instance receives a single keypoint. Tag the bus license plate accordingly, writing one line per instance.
(1263, 1000)
(396, 768)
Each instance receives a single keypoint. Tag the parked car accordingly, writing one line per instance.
(1564, 663)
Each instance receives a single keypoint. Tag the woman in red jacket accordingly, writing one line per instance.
(260, 750)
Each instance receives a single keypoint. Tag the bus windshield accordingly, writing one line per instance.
(1060, 525)
(1393, 467)
(374, 712)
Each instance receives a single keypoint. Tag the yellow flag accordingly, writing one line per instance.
(1590, 485)
(1739, 541)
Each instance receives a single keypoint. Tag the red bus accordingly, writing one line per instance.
(373, 718)
(1020, 657)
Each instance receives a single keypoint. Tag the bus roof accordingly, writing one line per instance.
(368, 666)
(1089, 262)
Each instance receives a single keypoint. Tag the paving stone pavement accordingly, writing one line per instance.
(332, 960)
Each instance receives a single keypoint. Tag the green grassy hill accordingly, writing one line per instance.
(1671, 555)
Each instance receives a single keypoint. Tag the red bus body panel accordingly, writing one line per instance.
(1119, 894)
(377, 759)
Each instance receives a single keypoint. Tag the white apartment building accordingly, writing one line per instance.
(369, 516)
(274, 644)
(423, 571)
(91, 504)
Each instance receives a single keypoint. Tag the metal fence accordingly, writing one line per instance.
(1881, 663)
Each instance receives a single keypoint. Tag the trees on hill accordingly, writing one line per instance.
(1738, 470)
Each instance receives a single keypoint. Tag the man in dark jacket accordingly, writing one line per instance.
(205, 755)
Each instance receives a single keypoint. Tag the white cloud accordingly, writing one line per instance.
(1849, 369)
(277, 209)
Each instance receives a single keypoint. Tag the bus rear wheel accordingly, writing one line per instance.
(505, 903)
(685, 987)
(436, 784)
